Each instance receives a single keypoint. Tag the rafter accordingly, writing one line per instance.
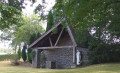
(56, 25)
(71, 36)
(53, 47)
(50, 41)
(59, 37)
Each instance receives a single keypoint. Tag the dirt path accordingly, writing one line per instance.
(5, 63)
(8, 63)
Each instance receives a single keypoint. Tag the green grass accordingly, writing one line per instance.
(5, 67)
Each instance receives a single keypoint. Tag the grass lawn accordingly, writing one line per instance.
(5, 67)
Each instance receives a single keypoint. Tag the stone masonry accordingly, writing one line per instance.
(63, 58)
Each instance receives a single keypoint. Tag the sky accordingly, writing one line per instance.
(29, 8)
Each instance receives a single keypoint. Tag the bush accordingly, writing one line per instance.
(8, 57)
(15, 62)
(19, 53)
(30, 55)
(24, 57)
(100, 52)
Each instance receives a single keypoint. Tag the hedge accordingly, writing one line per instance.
(8, 57)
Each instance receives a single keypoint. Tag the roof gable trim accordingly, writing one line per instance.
(56, 25)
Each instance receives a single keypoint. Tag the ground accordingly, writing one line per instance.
(5, 67)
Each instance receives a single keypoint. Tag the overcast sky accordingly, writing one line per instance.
(30, 7)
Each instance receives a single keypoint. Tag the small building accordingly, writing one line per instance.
(60, 49)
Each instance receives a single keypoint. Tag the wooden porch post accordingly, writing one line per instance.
(74, 55)
(36, 58)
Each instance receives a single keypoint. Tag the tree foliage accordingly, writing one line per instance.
(9, 16)
(31, 25)
(82, 37)
(102, 16)
(88, 13)
(11, 13)
(34, 37)
(29, 54)
(50, 21)
(100, 52)
(24, 56)
(18, 4)
(19, 53)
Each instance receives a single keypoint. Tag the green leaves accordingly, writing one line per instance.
(104, 16)
(38, 8)
(84, 14)
(50, 20)
(31, 25)
(24, 55)
(9, 16)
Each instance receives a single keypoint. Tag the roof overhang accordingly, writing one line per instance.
(48, 32)
(45, 34)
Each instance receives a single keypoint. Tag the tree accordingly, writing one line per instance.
(19, 35)
(33, 37)
(30, 55)
(24, 57)
(31, 26)
(83, 14)
(9, 16)
(50, 21)
(11, 13)
(19, 53)
(18, 4)
(102, 17)
(82, 37)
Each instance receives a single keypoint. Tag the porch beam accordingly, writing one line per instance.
(53, 47)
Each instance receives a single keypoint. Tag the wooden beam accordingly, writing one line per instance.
(53, 47)
(45, 34)
(74, 55)
(50, 41)
(71, 36)
(59, 37)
